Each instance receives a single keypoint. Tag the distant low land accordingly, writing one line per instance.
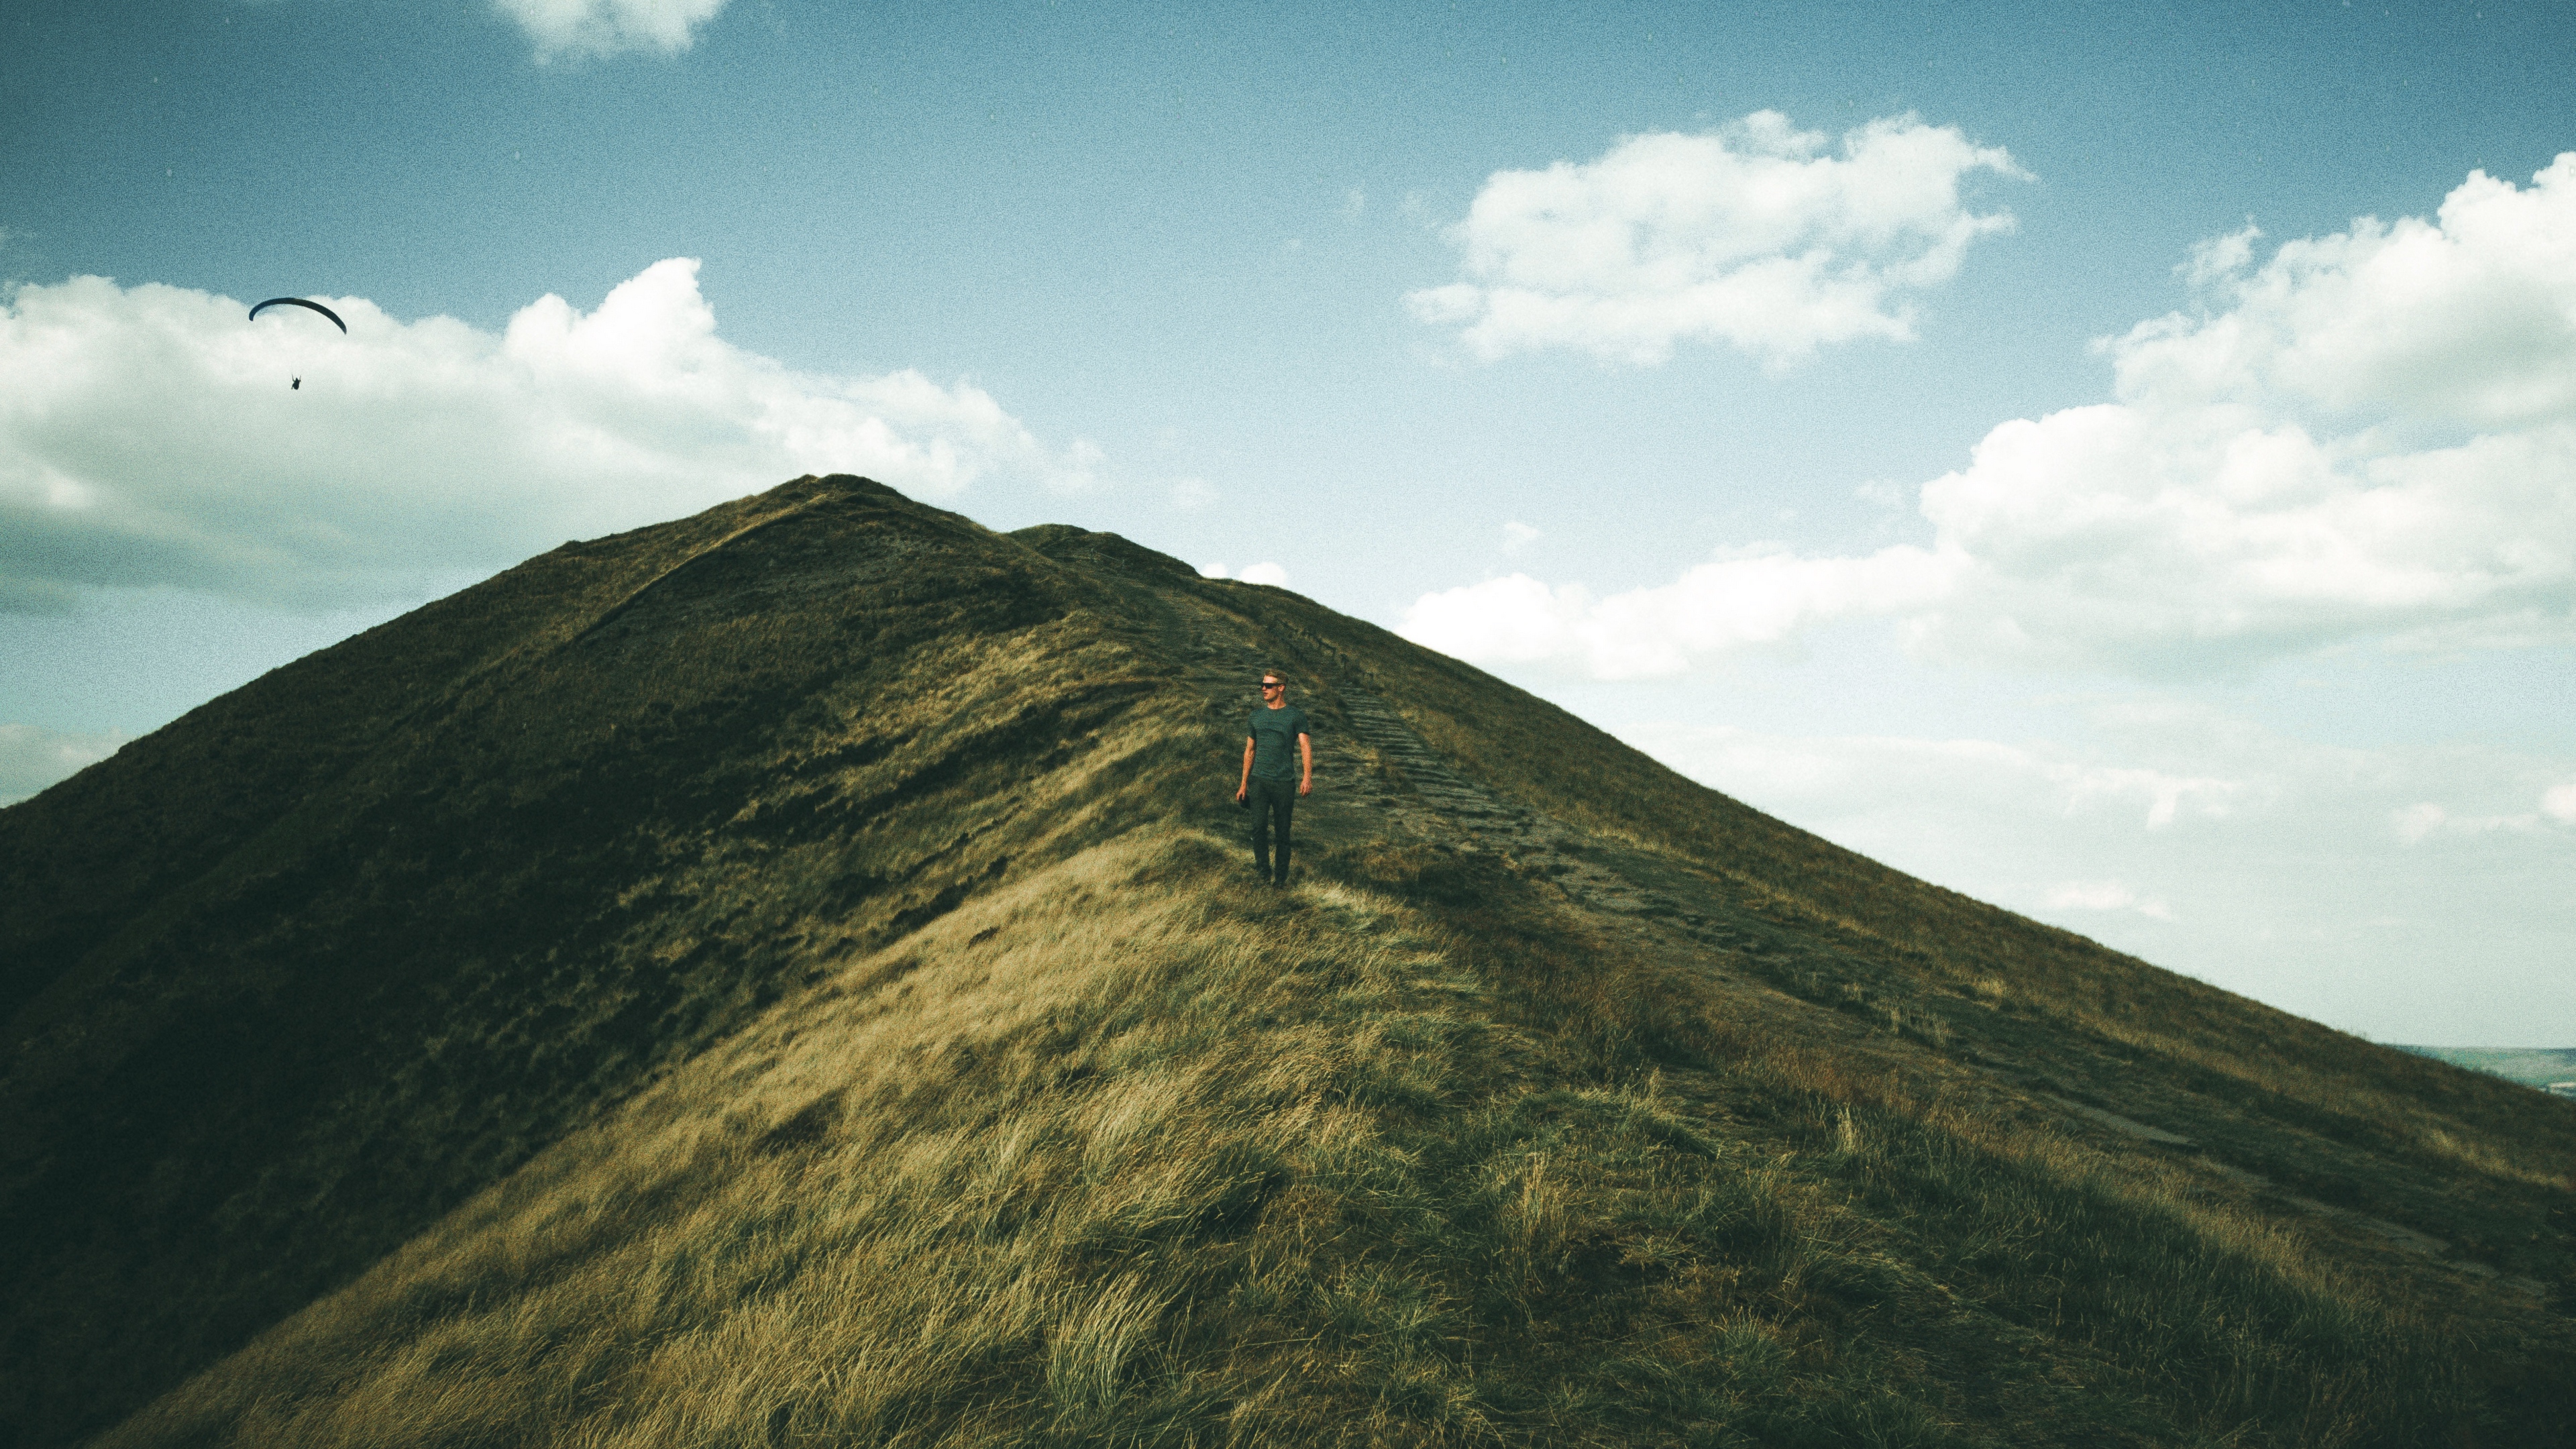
(2541, 1067)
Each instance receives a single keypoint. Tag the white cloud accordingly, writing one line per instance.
(1260, 573)
(32, 758)
(2220, 257)
(2558, 802)
(2375, 438)
(1882, 493)
(2418, 820)
(1193, 494)
(608, 27)
(2277, 863)
(148, 436)
(1518, 536)
(1720, 606)
(1756, 236)
(2106, 895)
(1836, 775)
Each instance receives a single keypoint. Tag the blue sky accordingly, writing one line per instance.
(1992, 440)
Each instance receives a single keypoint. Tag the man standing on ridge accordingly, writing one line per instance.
(1267, 769)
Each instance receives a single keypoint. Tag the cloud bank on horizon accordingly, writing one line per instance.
(149, 436)
(1258, 573)
(599, 28)
(2178, 817)
(2371, 434)
(1756, 236)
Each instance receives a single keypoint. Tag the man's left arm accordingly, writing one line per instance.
(1306, 757)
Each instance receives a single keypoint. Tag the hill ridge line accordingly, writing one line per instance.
(847, 876)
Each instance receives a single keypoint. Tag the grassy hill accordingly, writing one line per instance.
(789, 976)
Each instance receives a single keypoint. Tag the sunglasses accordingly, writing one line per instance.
(1272, 684)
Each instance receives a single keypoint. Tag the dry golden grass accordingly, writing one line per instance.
(811, 1005)
(851, 1217)
(1126, 1152)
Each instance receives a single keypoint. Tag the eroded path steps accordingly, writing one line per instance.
(1426, 797)
(1398, 783)
(1377, 777)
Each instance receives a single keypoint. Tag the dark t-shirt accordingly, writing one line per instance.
(1274, 741)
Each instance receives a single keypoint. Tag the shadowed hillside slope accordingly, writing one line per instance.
(786, 976)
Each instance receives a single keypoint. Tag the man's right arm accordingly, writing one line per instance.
(1245, 787)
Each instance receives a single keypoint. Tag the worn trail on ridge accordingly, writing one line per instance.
(1382, 778)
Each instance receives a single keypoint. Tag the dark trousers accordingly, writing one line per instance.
(1272, 799)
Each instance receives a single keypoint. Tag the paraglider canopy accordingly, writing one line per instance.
(299, 302)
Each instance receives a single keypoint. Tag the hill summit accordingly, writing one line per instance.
(793, 976)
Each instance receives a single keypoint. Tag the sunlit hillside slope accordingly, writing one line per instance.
(789, 976)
